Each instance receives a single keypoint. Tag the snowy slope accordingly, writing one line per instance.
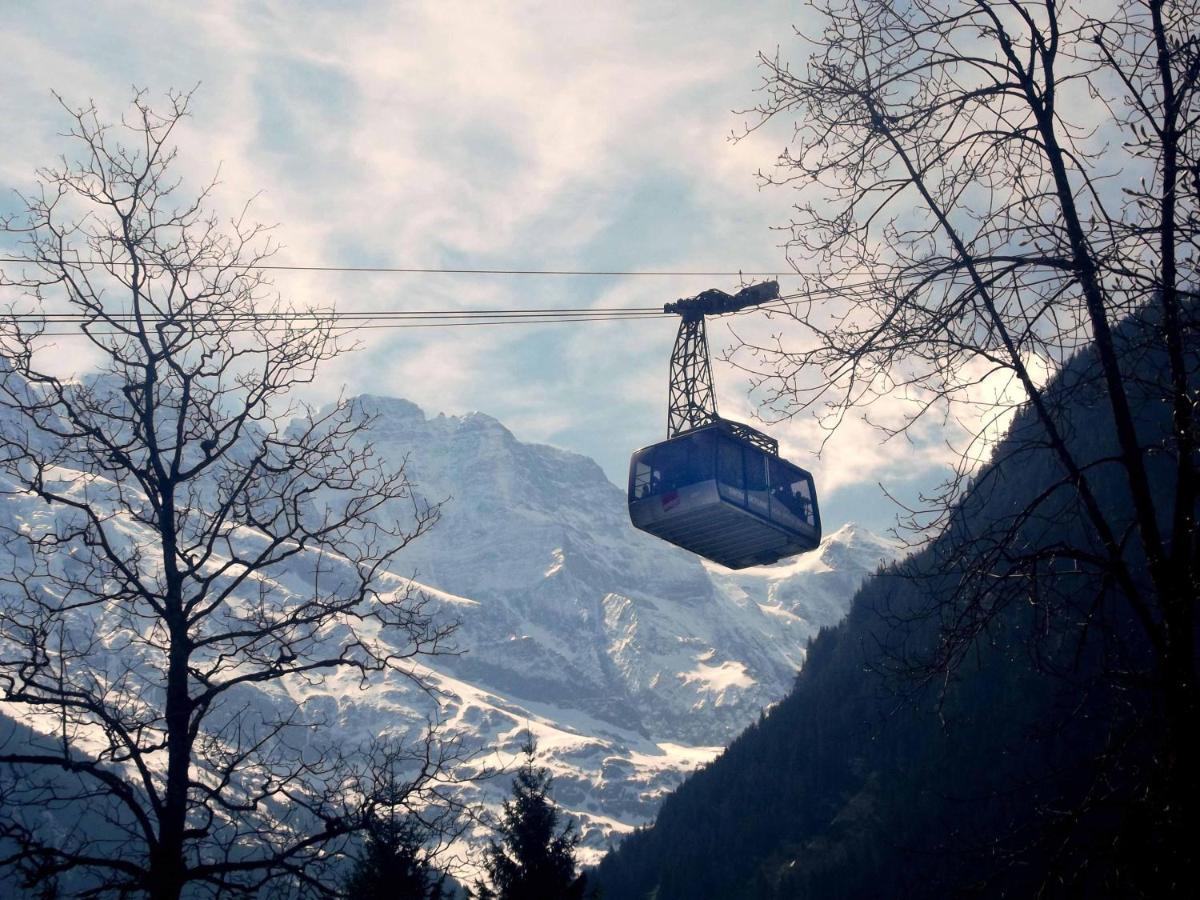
(812, 591)
(574, 605)
(629, 660)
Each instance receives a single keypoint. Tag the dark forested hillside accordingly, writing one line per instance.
(981, 722)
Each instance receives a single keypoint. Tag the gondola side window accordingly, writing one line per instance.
(756, 480)
(730, 476)
(791, 494)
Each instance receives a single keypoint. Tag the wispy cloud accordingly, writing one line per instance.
(518, 134)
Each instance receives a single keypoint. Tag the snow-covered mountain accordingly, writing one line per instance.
(629, 660)
(573, 605)
(812, 591)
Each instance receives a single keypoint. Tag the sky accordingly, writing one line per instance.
(510, 135)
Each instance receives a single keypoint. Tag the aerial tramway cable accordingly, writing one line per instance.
(109, 323)
(396, 318)
(411, 270)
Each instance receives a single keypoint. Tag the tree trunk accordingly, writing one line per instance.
(168, 869)
(1181, 779)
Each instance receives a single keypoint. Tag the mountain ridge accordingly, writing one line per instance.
(628, 660)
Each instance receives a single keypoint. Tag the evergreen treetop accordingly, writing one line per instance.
(534, 858)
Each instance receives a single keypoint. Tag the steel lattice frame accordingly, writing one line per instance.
(692, 402)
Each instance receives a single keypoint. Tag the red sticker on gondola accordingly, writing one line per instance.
(670, 500)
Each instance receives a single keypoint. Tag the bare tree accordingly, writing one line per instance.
(187, 545)
(993, 188)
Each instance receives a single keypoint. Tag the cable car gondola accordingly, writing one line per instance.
(715, 487)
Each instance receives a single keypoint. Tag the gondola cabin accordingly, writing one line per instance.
(722, 492)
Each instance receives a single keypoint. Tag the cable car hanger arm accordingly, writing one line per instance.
(716, 303)
(692, 401)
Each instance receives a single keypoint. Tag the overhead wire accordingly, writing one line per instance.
(417, 270)
(278, 329)
(355, 322)
(621, 312)
(383, 314)
(415, 318)
(264, 322)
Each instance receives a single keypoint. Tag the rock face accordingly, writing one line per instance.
(630, 661)
(574, 606)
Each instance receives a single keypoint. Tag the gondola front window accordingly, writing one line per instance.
(639, 484)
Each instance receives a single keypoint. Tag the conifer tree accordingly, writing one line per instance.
(534, 859)
(394, 865)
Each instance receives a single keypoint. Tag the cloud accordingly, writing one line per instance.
(496, 135)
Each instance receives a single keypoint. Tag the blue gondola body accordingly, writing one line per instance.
(717, 492)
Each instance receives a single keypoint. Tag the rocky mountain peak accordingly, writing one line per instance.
(630, 660)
